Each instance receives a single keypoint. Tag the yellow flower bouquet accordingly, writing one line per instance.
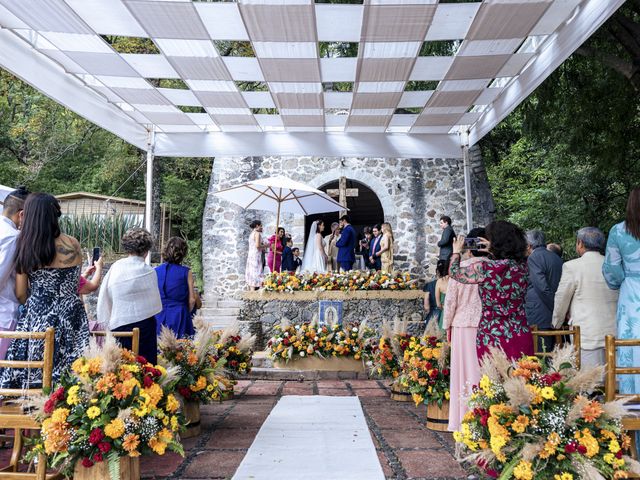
(532, 419)
(387, 355)
(339, 281)
(425, 369)
(111, 404)
(200, 372)
(291, 341)
(234, 348)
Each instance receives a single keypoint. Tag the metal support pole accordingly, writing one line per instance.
(467, 186)
(148, 204)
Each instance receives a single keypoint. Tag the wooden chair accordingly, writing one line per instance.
(12, 413)
(561, 337)
(134, 335)
(631, 421)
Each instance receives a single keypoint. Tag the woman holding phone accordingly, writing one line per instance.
(502, 284)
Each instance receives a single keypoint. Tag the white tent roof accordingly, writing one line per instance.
(506, 49)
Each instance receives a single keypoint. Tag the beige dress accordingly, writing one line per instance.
(387, 256)
(332, 252)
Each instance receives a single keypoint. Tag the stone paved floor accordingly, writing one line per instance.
(407, 450)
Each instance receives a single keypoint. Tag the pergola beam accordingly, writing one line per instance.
(26, 63)
(589, 17)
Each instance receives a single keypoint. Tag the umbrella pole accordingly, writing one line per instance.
(275, 242)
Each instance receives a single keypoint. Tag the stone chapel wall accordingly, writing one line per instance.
(414, 192)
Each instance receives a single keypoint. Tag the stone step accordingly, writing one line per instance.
(220, 312)
(219, 322)
(261, 373)
(229, 303)
(260, 360)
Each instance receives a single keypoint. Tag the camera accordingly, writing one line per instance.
(473, 243)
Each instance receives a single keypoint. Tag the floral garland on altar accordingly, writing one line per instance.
(291, 341)
(537, 420)
(338, 281)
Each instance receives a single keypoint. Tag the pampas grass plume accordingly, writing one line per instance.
(586, 380)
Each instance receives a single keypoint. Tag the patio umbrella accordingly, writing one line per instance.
(280, 194)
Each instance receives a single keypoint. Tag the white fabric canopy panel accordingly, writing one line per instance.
(425, 71)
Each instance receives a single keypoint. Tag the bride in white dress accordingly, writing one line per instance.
(315, 258)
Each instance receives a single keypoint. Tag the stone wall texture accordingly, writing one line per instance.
(414, 192)
(259, 316)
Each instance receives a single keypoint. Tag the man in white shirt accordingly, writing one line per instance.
(583, 297)
(10, 221)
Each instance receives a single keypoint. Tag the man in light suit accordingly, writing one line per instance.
(346, 245)
(583, 297)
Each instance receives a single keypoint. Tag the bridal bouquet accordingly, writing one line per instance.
(111, 404)
(535, 420)
(310, 339)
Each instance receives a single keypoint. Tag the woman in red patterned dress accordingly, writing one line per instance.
(502, 282)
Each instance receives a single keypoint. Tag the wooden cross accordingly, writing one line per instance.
(342, 192)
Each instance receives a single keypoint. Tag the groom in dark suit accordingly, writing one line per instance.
(346, 245)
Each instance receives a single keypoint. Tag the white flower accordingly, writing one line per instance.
(315, 339)
(297, 327)
(286, 334)
(369, 363)
(354, 329)
(302, 354)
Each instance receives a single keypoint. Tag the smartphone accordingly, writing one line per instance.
(473, 243)
(96, 255)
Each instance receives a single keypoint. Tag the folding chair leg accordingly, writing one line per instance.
(16, 453)
(41, 469)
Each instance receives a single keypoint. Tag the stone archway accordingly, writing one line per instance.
(365, 210)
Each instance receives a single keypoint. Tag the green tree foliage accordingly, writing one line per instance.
(570, 154)
(48, 148)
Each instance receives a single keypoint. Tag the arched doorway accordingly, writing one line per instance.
(365, 210)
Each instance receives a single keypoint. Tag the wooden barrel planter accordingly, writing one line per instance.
(129, 470)
(191, 411)
(438, 417)
(400, 393)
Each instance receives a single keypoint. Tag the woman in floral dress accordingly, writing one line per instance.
(502, 284)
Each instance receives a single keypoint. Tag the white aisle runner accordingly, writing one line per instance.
(313, 437)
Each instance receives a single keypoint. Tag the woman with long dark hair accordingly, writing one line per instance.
(502, 283)
(621, 270)
(48, 264)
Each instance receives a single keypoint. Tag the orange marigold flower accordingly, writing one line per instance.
(591, 411)
(120, 391)
(131, 442)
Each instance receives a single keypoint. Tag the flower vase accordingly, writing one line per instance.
(399, 393)
(129, 470)
(438, 417)
(191, 411)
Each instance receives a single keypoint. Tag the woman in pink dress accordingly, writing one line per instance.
(462, 312)
(276, 247)
(502, 282)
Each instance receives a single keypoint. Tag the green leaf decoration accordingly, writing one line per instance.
(113, 462)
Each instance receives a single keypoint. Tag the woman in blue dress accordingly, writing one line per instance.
(621, 270)
(177, 291)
